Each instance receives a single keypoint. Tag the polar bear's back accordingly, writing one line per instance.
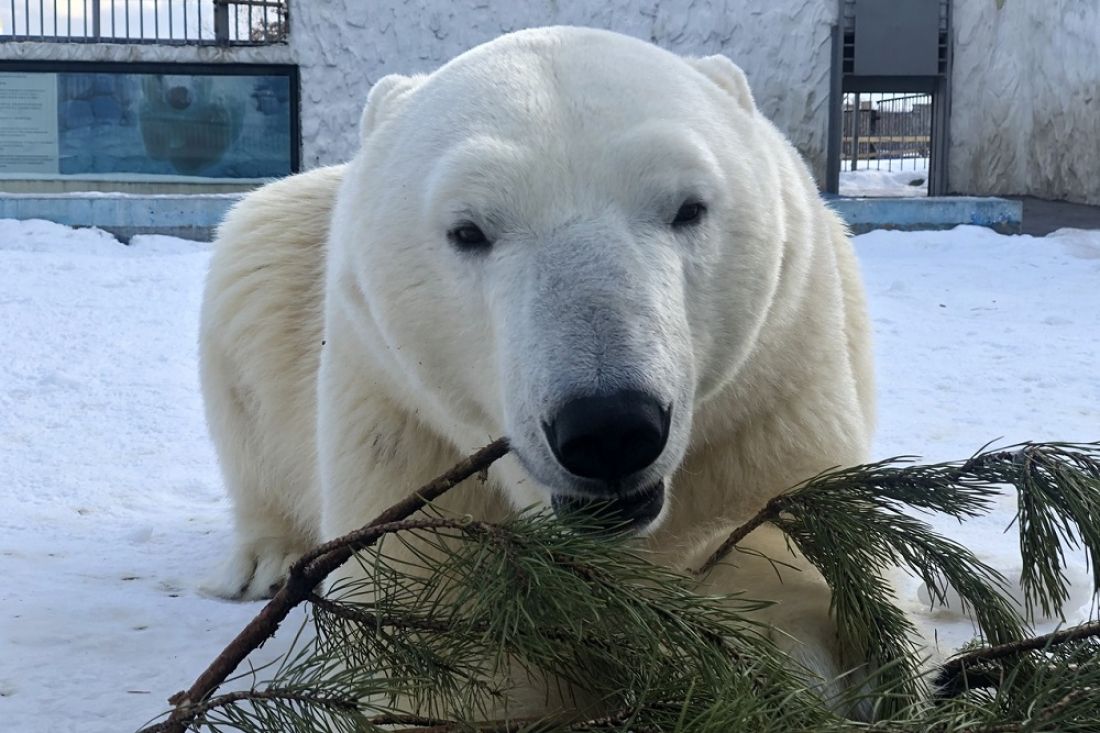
(261, 339)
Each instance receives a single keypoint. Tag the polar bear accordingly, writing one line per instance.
(568, 237)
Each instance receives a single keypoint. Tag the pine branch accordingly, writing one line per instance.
(569, 605)
(769, 513)
(1058, 484)
(1058, 487)
(305, 574)
(611, 721)
(303, 697)
(859, 514)
(421, 722)
(1045, 715)
(948, 678)
(489, 726)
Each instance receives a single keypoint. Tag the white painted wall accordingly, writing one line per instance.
(1025, 110)
(343, 46)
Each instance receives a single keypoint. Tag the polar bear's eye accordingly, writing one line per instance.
(468, 236)
(690, 212)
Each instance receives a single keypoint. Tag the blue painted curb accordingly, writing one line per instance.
(189, 216)
(196, 216)
(941, 212)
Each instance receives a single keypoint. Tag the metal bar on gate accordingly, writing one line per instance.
(185, 20)
(42, 19)
(250, 29)
(141, 20)
(127, 19)
(266, 36)
(221, 22)
(878, 122)
(156, 20)
(171, 33)
(856, 115)
(879, 138)
(96, 21)
(200, 20)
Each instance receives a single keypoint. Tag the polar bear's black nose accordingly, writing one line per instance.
(609, 437)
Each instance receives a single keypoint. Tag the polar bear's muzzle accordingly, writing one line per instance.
(609, 441)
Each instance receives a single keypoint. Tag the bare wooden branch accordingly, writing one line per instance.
(304, 575)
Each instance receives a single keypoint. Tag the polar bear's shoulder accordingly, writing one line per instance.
(295, 208)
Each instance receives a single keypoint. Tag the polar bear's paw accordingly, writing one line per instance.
(255, 570)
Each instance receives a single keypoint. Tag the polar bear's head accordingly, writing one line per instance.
(562, 236)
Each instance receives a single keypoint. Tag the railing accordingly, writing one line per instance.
(186, 22)
(891, 131)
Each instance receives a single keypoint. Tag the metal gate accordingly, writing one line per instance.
(886, 144)
(173, 22)
(890, 92)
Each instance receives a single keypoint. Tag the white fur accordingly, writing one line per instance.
(350, 352)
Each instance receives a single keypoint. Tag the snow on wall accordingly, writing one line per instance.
(343, 46)
(1025, 107)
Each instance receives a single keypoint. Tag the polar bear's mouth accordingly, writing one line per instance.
(633, 512)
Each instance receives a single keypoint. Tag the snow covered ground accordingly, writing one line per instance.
(886, 177)
(111, 508)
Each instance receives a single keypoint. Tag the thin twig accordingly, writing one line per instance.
(303, 577)
(949, 673)
(511, 725)
(770, 511)
(211, 703)
(490, 726)
(402, 719)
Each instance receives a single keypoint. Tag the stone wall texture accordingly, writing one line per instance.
(1025, 108)
(343, 46)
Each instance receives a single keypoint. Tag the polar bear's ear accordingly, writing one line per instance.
(381, 100)
(728, 76)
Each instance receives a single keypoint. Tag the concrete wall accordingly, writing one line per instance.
(1026, 87)
(1025, 114)
(42, 51)
(343, 46)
